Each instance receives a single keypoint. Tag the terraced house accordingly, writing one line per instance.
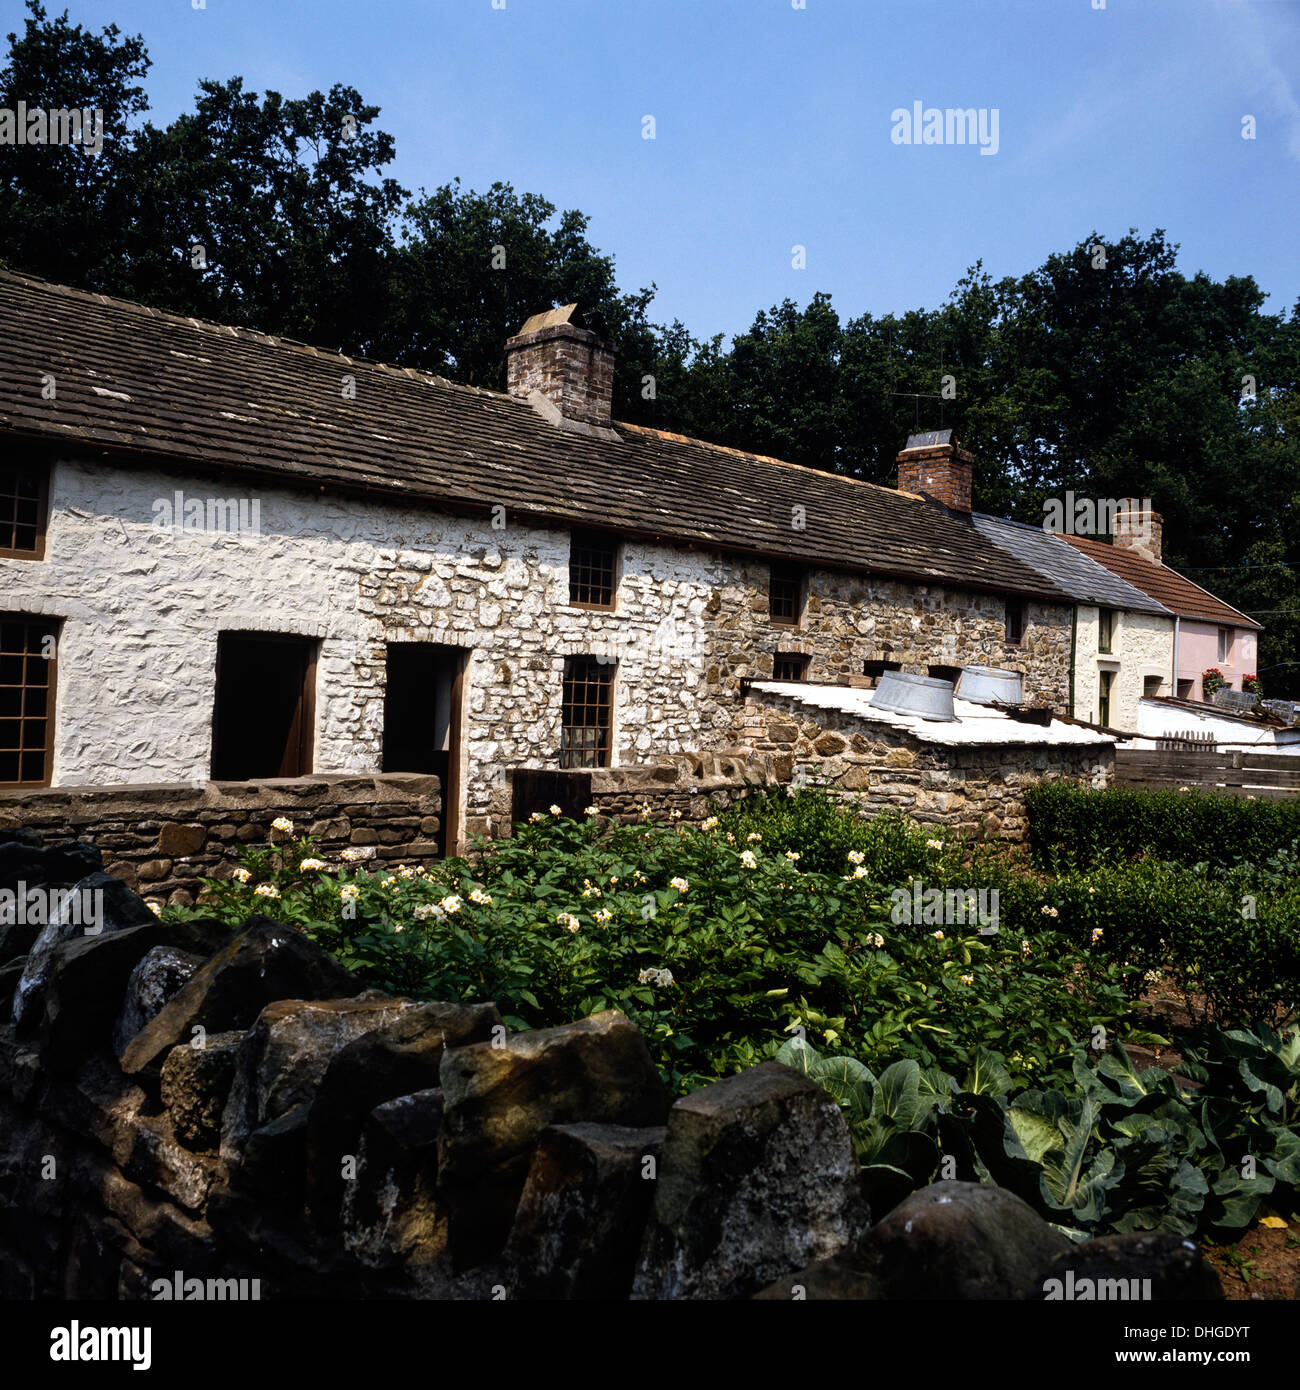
(226, 556)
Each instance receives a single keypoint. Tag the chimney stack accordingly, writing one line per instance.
(563, 369)
(936, 466)
(1139, 529)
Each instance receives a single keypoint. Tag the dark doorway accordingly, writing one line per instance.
(422, 723)
(264, 715)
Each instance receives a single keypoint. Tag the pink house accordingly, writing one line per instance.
(1208, 633)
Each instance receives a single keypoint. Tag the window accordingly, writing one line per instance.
(1015, 622)
(785, 594)
(587, 705)
(1225, 645)
(593, 570)
(1151, 686)
(24, 497)
(1185, 689)
(28, 647)
(789, 666)
(264, 715)
(943, 673)
(1103, 698)
(1105, 629)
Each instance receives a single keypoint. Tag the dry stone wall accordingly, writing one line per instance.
(190, 1112)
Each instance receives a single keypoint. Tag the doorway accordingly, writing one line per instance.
(264, 715)
(422, 723)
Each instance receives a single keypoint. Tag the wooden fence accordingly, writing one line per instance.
(1267, 776)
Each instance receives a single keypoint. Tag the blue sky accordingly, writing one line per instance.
(773, 127)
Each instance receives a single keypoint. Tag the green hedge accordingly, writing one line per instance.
(1084, 825)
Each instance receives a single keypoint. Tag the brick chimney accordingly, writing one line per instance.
(936, 466)
(1139, 529)
(563, 368)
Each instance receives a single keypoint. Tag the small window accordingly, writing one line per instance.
(263, 717)
(1151, 686)
(873, 670)
(1185, 689)
(1015, 622)
(943, 673)
(785, 600)
(789, 666)
(593, 570)
(1225, 645)
(588, 702)
(1105, 629)
(1103, 698)
(28, 650)
(24, 498)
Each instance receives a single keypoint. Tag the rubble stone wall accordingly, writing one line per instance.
(162, 839)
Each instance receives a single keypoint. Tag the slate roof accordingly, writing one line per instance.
(1166, 586)
(135, 382)
(1076, 574)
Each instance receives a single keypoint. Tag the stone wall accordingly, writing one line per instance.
(1142, 646)
(977, 789)
(140, 609)
(685, 787)
(193, 1113)
(162, 839)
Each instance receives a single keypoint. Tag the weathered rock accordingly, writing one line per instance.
(274, 1157)
(94, 906)
(25, 860)
(285, 1055)
(1154, 1265)
(159, 975)
(951, 1240)
(758, 1178)
(397, 1059)
(499, 1099)
(265, 962)
(836, 1278)
(195, 1086)
(578, 1226)
(390, 1216)
(85, 978)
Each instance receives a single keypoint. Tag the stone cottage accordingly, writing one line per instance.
(226, 556)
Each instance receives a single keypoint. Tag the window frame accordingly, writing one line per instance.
(785, 572)
(52, 627)
(1021, 611)
(569, 756)
(801, 658)
(593, 540)
(43, 469)
(1225, 646)
(1106, 626)
(1105, 689)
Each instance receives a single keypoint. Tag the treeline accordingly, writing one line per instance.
(1105, 370)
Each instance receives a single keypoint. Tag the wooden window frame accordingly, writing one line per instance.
(595, 541)
(1021, 614)
(782, 573)
(43, 470)
(580, 757)
(801, 659)
(52, 626)
(1106, 631)
(307, 709)
(1105, 689)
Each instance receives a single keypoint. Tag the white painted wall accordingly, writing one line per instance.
(1142, 646)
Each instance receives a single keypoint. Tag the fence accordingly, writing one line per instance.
(1267, 776)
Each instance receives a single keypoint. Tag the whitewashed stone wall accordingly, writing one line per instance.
(1142, 646)
(143, 608)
